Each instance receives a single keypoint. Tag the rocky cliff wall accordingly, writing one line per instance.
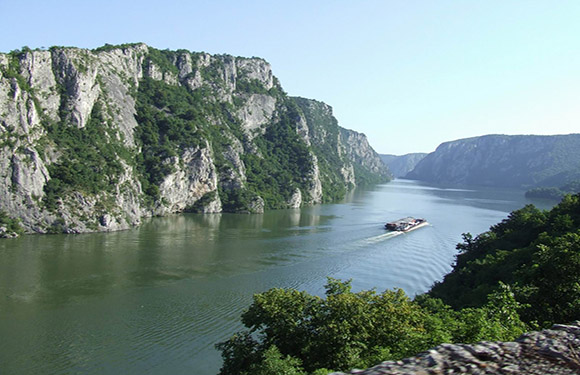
(95, 140)
(366, 161)
(549, 352)
(343, 155)
(503, 161)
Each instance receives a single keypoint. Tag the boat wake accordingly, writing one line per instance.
(382, 237)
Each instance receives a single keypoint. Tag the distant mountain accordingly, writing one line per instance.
(400, 165)
(522, 161)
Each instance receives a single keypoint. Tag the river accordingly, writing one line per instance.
(155, 299)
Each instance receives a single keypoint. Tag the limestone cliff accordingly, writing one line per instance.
(95, 140)
(503, 161)
(343, 155)
(367, 163)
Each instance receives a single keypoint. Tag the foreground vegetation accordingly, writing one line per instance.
(524, 273)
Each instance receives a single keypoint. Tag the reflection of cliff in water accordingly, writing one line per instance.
(62, 268)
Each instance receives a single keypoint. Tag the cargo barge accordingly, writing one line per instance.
(405, 224)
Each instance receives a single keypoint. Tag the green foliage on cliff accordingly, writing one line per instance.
(184, 102)
(284, 163)
(162, 59)
(537, 253)
(326, 145)
(109, 47)
(294, 331)
(171, 118)
(92, 157)
(251, 86)
(12, 225)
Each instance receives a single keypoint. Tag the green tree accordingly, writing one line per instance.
(11, 224)
(552, 284)
(274, 363)
(535, 253)
(347, 329)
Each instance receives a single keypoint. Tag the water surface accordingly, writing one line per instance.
(155, 299)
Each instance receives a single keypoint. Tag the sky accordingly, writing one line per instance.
(410, 74)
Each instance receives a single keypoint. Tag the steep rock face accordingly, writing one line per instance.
(194, 177)
(362, 155)
(95, 140)
(343, 155)
(503, 161)
(548, 352)
(400, 165)
(39, 89)
(256, 112)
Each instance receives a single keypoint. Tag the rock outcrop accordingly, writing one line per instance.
(549, 352)
(520, 161)
(95, 140)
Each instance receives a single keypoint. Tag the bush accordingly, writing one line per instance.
(347, 329)
(12, 225)
(536, 253)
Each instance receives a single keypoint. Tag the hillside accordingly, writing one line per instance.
(95, 140)
(536, 253)
(519, 161)
(400, 165)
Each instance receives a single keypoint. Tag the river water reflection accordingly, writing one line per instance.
(155, 299)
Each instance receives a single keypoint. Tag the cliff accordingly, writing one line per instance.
(95, 140)
(400, 165)
(520, 161)
(343, 154)
(548, 352)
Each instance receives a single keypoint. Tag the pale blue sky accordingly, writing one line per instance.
(409, 74)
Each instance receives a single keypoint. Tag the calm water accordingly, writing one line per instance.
(155, 300)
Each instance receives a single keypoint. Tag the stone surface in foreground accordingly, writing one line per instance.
(553, 351)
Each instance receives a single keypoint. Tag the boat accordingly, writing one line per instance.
(405, 224)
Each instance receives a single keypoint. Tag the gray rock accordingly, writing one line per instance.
(548, 352)
(296, 199)
(256, 206)
(194, 177)
(361, 153)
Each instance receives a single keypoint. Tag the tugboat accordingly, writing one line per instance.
(405, 224)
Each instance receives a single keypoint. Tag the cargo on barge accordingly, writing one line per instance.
(405, 224)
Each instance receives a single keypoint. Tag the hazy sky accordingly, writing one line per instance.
(409, 74)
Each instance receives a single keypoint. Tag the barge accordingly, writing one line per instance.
(405, 224)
